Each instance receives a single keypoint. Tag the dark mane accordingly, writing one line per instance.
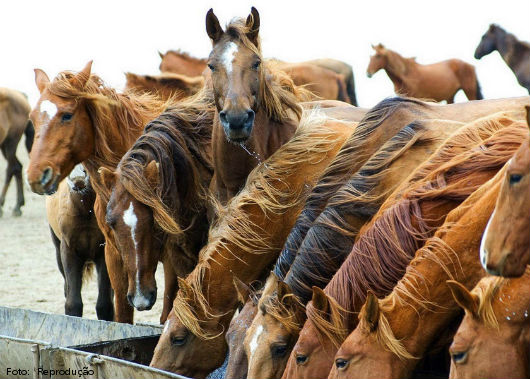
(351, 157)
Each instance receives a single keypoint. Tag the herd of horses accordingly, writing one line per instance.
(300, 236)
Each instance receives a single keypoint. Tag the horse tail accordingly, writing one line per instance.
(88, 271)
(343, 94)
(478, 90)
(29, 132)
(350, 89)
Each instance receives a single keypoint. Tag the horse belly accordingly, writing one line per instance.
(438, 84)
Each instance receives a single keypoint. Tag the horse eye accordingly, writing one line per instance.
(515, 178)
(301, 359)
(66, 117)
(459, 357)
(341, 363)
(178, 341)
(279, 351)
(256, 65)
(211, 67)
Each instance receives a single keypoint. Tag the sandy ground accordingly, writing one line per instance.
(29, 277)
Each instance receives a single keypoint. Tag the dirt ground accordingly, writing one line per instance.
(29, 277)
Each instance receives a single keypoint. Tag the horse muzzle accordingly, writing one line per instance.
(142, 302)
(47, 182)
(237, 125)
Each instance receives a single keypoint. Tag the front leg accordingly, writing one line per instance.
(170, 289)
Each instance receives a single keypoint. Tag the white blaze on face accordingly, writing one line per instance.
(49, 108)
(228, 56)
(166, 327)
(483, 252)
(254, 341)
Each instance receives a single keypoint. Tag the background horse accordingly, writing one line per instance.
(179, 62)
(78, 242)
(79, 119)
(14, 114)
(437, 81)
(244, 243)
(167, 86)
(157, 207)
(515, 53)
(505, 248)
(493, 339)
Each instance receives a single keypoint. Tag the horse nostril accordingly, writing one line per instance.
(130, 299)
(222, 116)
(250, 116)
(152, 297)
(46, 176)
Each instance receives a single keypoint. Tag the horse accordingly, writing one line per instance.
(157, 207)
(14, 121)
(257, 106)
(329, 241)
(167, 86)
(340, 68)
(438, 81)
(388, 242)
(494, 337)
(79, 119)
(515, 53)
(79, 243)
(244, 242)
(397, 331)
(180, 62)
(505, 247)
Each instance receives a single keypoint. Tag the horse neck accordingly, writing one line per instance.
(507, 45)
(394, 61)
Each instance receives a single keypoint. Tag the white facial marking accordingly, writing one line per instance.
(228, 56)
(48, 107)
(483, 252)
(166, 327)
(254, 340)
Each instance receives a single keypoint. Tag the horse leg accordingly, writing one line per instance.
(451, 100)
(7, 179)
(104, 306)
(20, 188)
(170, 289)
(14, 168)
(123, 312)
(73, 270)
(57, 243)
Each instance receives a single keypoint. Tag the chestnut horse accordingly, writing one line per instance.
(328, 243)
(245, 241)
(258, 108)
(493, 340)
(179, 62)
(394, 333)
(387, 244)
(340, 68)
(78, 242)
(166, 86)
(438, 81)
(515, 53)
(157, 206)
(79, 119)
(505, 248)
(14, 114)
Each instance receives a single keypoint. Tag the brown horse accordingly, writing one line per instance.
(179, 62)
(79, 119)
(438, 81)
(14, 114)
(166, 86)
(157, 206)
(394, 333)
(78, 242)
(387, 244)
(505, 248)
(340, 68)
(258, 108)
(244, 243)
(328, 243)
(493, 339)
(515, 53)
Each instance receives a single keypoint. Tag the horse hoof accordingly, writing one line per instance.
(17, 212)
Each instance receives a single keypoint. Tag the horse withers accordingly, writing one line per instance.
(79, 243)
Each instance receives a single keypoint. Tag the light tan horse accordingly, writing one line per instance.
(180, 62)
(168, 85)
(438, 81)
(14, 114)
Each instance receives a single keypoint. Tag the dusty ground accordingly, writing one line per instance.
(29, 277)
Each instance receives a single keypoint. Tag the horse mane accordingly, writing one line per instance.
(386, 246)
(128, 112)
(179, 140)
(512, 37)
(235, 228)
(182, 84)
(186, 55)
(486, 291)
(337, 173)
(278, 95)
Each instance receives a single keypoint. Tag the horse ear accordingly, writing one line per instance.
(243, 291)
(283, 289)
(161, 54)
(370, 312)
(41, 79)
(83, 75)
(463, 297)
(151, 173)
(253, 23)
(108, 178)
(320, 300)
(213, 28)
(185, 288)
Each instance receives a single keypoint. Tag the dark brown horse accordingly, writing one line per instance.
(157, 206)
(258, 108)
(175, 86)
(515, 53)
(79, 242)
(14, 114)
(438, 81)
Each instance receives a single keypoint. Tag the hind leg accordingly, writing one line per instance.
(73, 270)
(20, 188)
(57, 244)
(104, 305)
(14, 168)
(7, 180)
